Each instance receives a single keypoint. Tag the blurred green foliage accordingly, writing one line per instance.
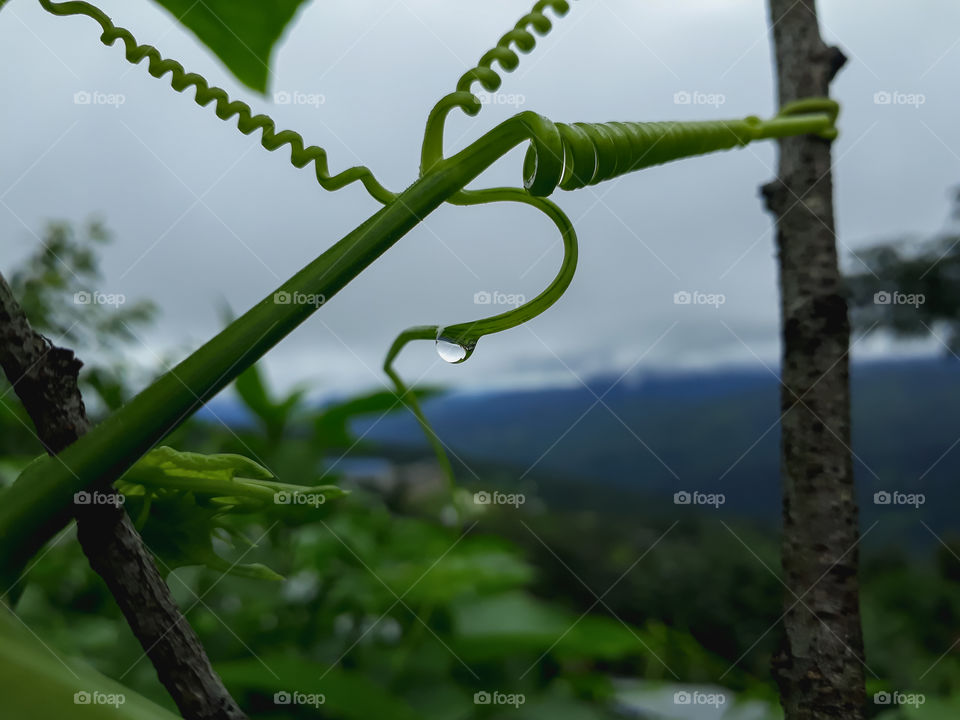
(910, 287)
(61, 285)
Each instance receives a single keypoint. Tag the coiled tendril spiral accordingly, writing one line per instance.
(507, 58)
(595, 152)
(301, 155)
(521, 37)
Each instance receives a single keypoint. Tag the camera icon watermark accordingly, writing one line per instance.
(684, 497)
(95, 97)
(95, 697)
(486, 497)
(899, 698)
(285, 497)
(282, 297)
(313, 700)
(296, 97)
(496, 297)
(513, 100)
(86, 297)
(895, 97)
(695, 297)
(884, 497)
(98, 497)
(696, 697)
(496, 697)
(696, 97)
(895, 297)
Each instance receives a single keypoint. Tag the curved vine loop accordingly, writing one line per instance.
(575, 156)
(460, 340)
(569, 157)
(301, 155)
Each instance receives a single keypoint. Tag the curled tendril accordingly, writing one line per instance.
(300, 154)
(521, 37)
(546, 142)
(506, 57)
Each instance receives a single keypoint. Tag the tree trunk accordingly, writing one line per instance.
(819, 666)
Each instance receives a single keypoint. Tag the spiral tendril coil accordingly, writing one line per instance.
(301, 155)
(522, 37)
(595, 152)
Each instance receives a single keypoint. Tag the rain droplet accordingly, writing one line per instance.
(452, 351)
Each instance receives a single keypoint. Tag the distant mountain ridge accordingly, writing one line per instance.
(712, 431)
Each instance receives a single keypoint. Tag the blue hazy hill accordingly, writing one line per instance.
(618, 445)
(628, 446)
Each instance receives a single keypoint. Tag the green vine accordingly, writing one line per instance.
(570, 157)
(564, 156)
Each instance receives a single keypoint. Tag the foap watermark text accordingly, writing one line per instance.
(485, 497)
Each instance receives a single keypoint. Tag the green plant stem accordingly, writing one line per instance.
(38, 505)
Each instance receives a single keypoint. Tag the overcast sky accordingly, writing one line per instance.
(202, 214)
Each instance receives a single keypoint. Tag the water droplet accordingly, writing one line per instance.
(452, 351)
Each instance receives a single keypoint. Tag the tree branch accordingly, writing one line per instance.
(819, 667)
(44, 377)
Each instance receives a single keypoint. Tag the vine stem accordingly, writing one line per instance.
(38, 505)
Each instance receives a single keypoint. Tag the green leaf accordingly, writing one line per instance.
(460, 573)
(179, 531)
(242, 33)
(252, 388)
(485, 626)
(36, 684)
(221, 483)
(167, 461)
(180, 499)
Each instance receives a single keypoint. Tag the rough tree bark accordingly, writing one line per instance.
(819, 666)
(44, 377)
